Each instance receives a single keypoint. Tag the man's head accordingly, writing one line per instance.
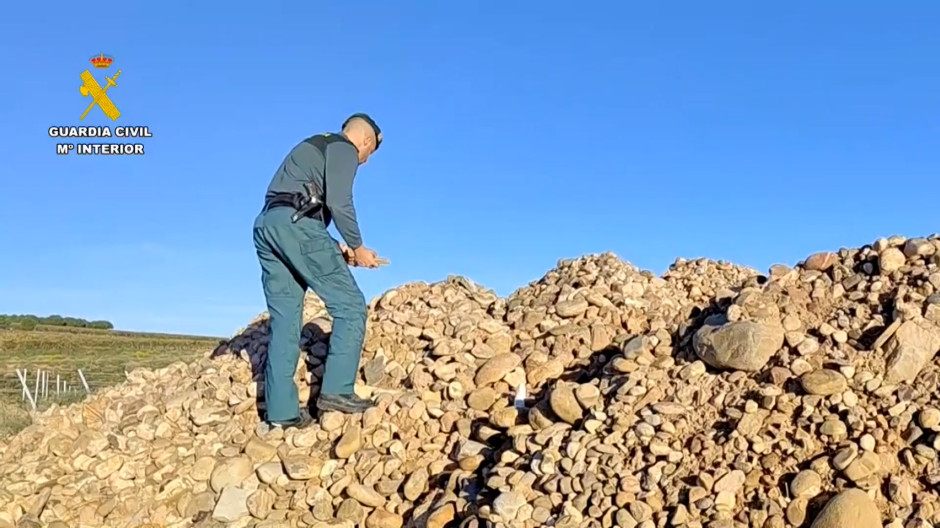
(362, 132)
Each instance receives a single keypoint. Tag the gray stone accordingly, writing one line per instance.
(231, 472)
(912, 346)
(742, 345)
(572, 308)
(507, 504)
(824, 382)
(891, 259)
(232, 505)
(374, 370)
(806, 483)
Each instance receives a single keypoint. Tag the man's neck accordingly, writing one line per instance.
(350, 141)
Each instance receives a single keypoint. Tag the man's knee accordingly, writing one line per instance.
(356, 306)
(352, 307)
(361, 310)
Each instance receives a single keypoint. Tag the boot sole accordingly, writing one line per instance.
(345, 409)
(300, 424)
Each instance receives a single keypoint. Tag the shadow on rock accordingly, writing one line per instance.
(251, 345)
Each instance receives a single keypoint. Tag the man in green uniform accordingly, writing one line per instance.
(296, 251)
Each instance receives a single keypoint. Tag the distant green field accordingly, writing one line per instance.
(103, 355)
(98, 331)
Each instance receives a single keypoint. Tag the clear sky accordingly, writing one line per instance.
(515, 134)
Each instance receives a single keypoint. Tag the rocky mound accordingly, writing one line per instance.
(598, 396)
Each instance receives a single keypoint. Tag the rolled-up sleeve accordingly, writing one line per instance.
(342, 161)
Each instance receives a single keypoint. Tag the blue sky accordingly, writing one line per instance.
(515, 134)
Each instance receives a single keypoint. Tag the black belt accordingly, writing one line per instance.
(299, 202)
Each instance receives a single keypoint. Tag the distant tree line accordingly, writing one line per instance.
(29, 322)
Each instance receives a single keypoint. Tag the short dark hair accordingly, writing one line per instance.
(371, 122)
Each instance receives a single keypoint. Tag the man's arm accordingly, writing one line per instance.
(342, 161)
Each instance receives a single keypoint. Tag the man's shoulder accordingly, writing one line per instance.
(327, 139)
(326, 148)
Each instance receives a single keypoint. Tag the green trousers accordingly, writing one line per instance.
(295, 256)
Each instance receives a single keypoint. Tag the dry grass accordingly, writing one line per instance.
(13, 418)
(102, 355)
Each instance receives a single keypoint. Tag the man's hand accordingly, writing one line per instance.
(365, 257)
(348, 255)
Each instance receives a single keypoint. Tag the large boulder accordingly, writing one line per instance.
(852, 508)
(913, 345)
(741, 345)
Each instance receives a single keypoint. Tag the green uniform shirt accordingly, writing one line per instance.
(333, 168)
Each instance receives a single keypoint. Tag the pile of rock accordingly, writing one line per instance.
(600, 395)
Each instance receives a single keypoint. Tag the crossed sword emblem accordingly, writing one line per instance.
(91, 87)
